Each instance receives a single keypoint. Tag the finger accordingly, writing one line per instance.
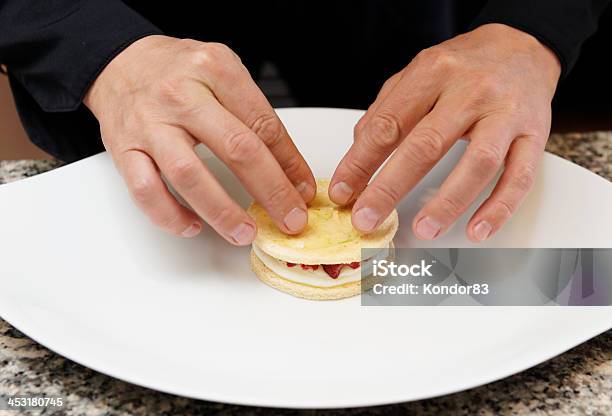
(387, 87)
(252, 162)
(419, 152)
(393, 118)
(173, 151)
(340, 191)
(152, 196)
(484, 156)
(239, 94)
(513, 186)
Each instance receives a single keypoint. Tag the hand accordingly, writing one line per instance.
(159, 98)
(492, 86)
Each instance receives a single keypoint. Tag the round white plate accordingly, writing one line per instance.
(85, 274)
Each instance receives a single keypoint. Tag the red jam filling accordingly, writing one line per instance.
(304, 266)
(333, 270)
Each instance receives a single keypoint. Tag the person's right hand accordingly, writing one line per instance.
(159, 98)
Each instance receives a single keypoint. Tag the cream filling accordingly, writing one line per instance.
(296, 274)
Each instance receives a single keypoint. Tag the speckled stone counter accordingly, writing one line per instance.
(576, 382)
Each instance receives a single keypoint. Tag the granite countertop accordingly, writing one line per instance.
(576, 382)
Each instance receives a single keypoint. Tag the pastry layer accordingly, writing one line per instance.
(329, 237)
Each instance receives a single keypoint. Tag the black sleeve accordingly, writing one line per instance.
(53, 50)
(562, 25)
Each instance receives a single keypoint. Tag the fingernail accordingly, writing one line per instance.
(341, 193)
(296, 219)
(243, 234)
(482, 230)
(193, 230)
(427, 228)
(366, 219)
(305, 189)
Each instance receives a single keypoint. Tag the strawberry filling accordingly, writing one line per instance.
(333, 270)
(305, 266)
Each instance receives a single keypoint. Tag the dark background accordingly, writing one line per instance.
(338, 54)
(584, 98)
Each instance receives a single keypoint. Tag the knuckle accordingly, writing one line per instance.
(357, 170)
(428, 145)
(487, 158)
(390, 81)
(170, 91)
(534, 129)
(202, 56)
(214, 58)
(224, 72)
(505, 207)
(452, 206)
(524, 177)
(386, 194)
(438, 58)
(183, 173)
(241, 146)
(143, 190)
(489, 87)
(384, 131)
(190, 43)
(168, 222)
(513, 105)
(220, 49)
(278, 195)
(428, 54)
(292, 165)
(219, 215)
(269, 128)
(359, 128)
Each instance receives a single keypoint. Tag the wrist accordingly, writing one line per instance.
(93, 97)
(117, 76)
(523, 42)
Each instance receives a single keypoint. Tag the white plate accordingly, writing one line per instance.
(83, 273)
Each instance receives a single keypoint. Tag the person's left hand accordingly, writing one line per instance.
(492, 86)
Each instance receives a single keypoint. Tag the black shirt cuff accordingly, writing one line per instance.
(562, 25)
(53, 52)
(70, 53)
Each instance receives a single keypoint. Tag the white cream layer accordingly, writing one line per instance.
(296, 274)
